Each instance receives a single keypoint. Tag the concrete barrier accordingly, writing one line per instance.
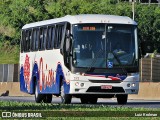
(13, 88)
(147, 90)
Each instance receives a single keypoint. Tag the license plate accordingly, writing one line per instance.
(106, 87)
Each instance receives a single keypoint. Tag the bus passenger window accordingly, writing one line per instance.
(33, 40)
(40, 38)
(23, 40)
(52, 37)
(44, 38)
(48, 40)
(59, 33)
(27, 41)
(37, 39)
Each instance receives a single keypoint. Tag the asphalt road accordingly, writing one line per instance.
(106, 102)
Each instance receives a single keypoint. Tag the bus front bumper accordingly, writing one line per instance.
(127, 86)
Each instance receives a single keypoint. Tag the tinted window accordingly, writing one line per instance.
(50, 37)
(35, 39)
(42, 38)
(22, 40)
(26, 40)
(59, 33)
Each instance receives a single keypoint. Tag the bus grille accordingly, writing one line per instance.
(106, 81)
(113, 90)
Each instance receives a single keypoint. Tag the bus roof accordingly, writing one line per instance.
(84, 18)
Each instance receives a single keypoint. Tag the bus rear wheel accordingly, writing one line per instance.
(65, 98)
(48, 98)
(122, 99)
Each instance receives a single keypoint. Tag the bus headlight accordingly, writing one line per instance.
(77, 84)
(131, 85)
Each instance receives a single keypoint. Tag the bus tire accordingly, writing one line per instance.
(122, 99)
(84, 100)
(48, 98)
(65, 98)
(38, 97)
(93, 100)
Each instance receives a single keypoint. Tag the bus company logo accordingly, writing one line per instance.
(41, 74)
(45, 79)
(27, 72)
(6, 115)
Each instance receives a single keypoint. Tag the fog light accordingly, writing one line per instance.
(77, 84)
(133, 85)
(82, 84)
(128, 85)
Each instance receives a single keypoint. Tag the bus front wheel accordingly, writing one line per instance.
(65, 98)
(93, 100)
(122, 99)
(86, 100)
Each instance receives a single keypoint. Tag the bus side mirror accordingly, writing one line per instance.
(68, 46)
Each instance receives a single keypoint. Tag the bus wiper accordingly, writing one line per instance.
(115, 56)
(94, 60)
(97, 55)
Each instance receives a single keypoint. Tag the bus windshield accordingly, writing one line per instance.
(104, 45)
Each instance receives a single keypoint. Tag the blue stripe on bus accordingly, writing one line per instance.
(60, 73)
(22, 82)
(23, 85)
(54, 88)
(35, 73)
(45, 89)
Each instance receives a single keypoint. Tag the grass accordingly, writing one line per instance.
(9, 54)
(13, 105)
(77, 111)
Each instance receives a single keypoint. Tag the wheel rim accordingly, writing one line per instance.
(36, 92)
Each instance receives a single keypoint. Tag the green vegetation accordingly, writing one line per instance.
(9, 53)
(74, 110)
(11, 105)
(16, 13)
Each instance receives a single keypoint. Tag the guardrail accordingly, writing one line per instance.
(9, 73)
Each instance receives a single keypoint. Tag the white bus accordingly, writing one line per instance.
(84, 56)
